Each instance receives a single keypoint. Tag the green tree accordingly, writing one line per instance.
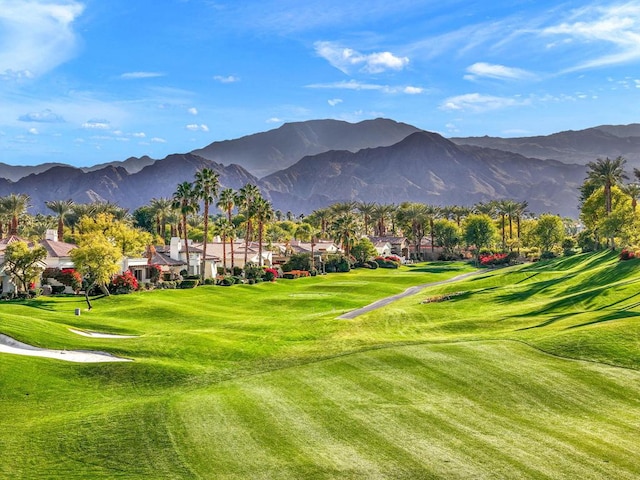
(98, 260)
(344, 230)
(549, 232)
(412, 219)
(207, 185)
(162, 209)
(364, 250)
(263, 212)
(447, 235)
(24, 264)
(129, 241)
(224, 228)
(479, 231)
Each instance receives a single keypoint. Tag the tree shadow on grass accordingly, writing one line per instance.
(619, 315)
(608, 276)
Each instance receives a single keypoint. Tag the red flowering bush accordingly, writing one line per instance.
(125, 283)
(493, 259)
(66, 276)
(627, 254)
(155, 272)
(270, 274)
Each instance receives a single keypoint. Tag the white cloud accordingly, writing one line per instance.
(45, 116)
(345, 59)
(413, 90)
(138, 135)
(499, 72)
(96, 124)
(476, 103)
(334, 101)
(616, 25)
(40, 36)
(193, 111)
(226, 79)
(274, 120)
(158, 140)
(355, 85)
(138, 75)
(194, 127)
(33, 131)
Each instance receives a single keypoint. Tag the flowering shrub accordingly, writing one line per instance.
(155, 272)
(494, 259)
(66, 276)
(627, 254)
(390, 261)
(125, 283)
(270, 274)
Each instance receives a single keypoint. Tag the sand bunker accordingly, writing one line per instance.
(100, 335)
(9, 345)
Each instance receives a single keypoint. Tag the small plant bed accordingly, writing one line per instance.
(444, 297)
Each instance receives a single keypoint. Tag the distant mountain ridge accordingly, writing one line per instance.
(267, 152)
(342, 161)
(426, 167)
(579, 146)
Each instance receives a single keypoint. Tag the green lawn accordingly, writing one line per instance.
(529, 372)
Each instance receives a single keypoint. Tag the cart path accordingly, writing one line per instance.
(409, 291)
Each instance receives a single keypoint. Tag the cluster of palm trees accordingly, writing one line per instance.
(345, 221)
(180, 211)
(605, 174)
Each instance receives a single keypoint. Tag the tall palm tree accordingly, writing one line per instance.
(207, 185)
(432, 213)
(226, 202)
(185, 201)
(247, 197)
(61, 208)
(224, 228)
(520, 210)
(80, 210)
(15, 205)
(344, 231)
(161, 208)
(366, 209)
(412, 218)
(263, 212)
(606, 174)
(381, 213)
(633, 190)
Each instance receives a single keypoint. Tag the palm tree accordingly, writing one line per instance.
(224, 228)
(226, 201)
(344, 231)
(263, 212)
(366, 209)
(606, 174)
(184, 200)
(15, 205)
(412, 218)
(432, 212)
(80, 210)
(519, 212)
(61, 208)
(206, 189)
(247, 197)
(380, 215)
(633, 190)
(161, 208)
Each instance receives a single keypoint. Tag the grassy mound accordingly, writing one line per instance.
(518, 375)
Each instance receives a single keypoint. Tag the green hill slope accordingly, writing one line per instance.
(526, 372)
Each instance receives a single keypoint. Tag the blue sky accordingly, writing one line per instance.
(93, 81)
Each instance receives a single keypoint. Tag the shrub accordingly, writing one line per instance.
(627, 254)
(209, 281)
(253, 271)
(188, 283)
(57, 289)
(547, 255)
(372, 264)
(155, 272)
(125, 283)
(298, 261)
(270, 274)
(489, 260)
(237, 271)
(290, 276)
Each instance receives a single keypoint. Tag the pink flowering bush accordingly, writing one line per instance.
(489, 259)
(270, 274)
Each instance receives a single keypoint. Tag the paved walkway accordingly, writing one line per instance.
(409, 291)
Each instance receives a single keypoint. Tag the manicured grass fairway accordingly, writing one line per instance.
(533, 372)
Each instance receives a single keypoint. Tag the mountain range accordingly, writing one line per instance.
(307, 165)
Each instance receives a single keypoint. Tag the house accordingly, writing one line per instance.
(399, 245)
(320, 249)
(172, 259)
